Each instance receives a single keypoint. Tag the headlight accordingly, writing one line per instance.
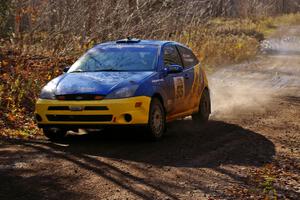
(124, 92)
(48, 92)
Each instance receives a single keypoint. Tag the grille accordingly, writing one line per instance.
(58, 108)
(80, 118)
(79, 97)
(95, 108)
(85, 108)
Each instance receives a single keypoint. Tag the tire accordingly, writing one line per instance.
(202, 116)
(54, 134)
(157, 120)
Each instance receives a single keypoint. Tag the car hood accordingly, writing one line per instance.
(101, 83)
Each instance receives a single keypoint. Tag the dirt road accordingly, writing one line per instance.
(250, 148)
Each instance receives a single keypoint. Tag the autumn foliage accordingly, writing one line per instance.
(39, 38)
(22, 77)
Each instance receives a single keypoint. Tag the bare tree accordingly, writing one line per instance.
(67, 22)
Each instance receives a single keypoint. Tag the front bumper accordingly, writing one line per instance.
(128, 111)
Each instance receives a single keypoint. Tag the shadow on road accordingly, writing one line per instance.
(118, 155)
(184, 146)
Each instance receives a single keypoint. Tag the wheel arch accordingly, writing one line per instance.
(158, 96)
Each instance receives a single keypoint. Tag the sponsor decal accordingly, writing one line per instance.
(157, 80)
(179, 87)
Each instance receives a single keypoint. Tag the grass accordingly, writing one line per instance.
(222, 41)
(219, 42)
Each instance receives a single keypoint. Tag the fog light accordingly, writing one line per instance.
(38, 118)
(127, 117)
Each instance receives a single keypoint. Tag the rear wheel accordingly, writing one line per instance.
(204, 109)
(157, 120)
(54, 134)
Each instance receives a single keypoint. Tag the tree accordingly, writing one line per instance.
(5, 17)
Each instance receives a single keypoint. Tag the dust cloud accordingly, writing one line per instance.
(251, 86)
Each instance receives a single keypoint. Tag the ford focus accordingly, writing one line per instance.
(128, 82)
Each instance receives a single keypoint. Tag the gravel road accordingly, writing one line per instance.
(253, 135)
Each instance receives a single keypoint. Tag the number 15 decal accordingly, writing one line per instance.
(179, 87)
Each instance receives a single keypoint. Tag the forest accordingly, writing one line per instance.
(40, 37)
(248, 150)
(61, 26)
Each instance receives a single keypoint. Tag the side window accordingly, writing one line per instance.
(171, 56)
(188, 57)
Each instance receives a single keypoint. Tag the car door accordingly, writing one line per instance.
(175, 81)
(192, 74)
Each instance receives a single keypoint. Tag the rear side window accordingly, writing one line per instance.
(188, 57)
(171, 56)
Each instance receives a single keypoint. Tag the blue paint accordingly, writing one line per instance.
(150, 82)
(97, 82)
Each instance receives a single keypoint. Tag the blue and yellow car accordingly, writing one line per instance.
(126, 82)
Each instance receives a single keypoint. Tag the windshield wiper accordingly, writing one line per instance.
(78, 71)
(99, 70)
(107, 70)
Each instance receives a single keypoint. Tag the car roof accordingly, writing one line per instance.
(138, 42)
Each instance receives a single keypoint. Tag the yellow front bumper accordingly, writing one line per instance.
(117, 109)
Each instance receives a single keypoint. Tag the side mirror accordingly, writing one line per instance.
(173, 69)
(66, 69)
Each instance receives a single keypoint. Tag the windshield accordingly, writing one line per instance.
(117, 58)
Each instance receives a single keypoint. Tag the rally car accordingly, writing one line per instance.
(126, 82)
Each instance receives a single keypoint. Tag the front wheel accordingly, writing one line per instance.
(54, 134)
(157, 120)
(202, 116)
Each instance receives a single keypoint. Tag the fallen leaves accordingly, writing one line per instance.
(11, 117)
